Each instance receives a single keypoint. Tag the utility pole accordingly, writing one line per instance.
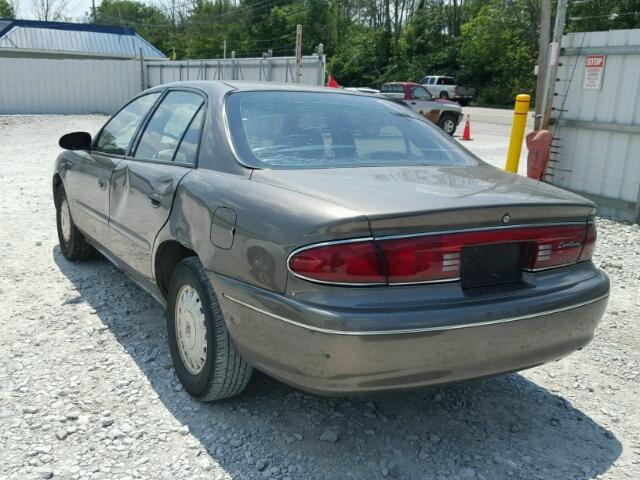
(224, 49)
(543, 59)
(93, 10)
(558, 31)
(298, 52)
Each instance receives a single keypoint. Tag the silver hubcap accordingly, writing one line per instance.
(191, 330)
(65, 220)
(448, 126)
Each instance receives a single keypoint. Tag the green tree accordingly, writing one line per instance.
(149, 21)
(498, 51)
(6, 10)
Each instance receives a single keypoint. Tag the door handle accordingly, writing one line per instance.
(413, 103)
(154, 200)
(102, 184)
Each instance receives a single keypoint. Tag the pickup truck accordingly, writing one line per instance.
(446, 114)
(446, 88)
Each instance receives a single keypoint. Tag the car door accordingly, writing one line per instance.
(144, 183)
(88, 179)
(422, 102)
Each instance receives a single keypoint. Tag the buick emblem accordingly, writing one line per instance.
(506, 218)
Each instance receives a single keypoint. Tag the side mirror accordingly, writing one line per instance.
(76, 141)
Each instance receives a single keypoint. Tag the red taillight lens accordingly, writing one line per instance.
(421, 259)
(437, 257)
(589, 242)
(354, 262)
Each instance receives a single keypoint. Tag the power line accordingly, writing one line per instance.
(259, 7)
(264, 40)
(610, 16)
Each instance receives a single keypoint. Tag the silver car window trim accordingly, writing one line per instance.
(413, 330)
(414, 235)
(143, 127)
(227, 131)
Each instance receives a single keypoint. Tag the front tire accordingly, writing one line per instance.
(205, 357)
(72, 242)
(448, 123)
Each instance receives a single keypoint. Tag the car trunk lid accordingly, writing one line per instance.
(409, 200)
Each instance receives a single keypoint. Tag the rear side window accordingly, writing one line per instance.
(188, 149)
(293, 130)
(168, 125)
(117, 134)
(392, 88)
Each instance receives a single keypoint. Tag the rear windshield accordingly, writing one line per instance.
(294, 130)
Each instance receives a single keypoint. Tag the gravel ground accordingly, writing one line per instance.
(87, 389)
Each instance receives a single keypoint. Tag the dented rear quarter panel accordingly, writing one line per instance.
(270, 222)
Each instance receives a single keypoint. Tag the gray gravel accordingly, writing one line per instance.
(87, 390)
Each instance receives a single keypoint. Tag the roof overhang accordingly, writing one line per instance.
(29, 53)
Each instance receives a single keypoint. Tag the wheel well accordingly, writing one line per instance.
(57, 181)
(168, 256)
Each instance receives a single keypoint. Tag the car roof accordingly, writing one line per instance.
(402, 83)
(217, 87)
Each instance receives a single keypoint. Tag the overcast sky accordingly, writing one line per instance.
(75, 10)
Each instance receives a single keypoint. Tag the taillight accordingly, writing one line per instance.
(589, 242)
(438, 257)
(353, 262)
(422, 259)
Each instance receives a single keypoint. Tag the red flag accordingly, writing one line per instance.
(331, 82)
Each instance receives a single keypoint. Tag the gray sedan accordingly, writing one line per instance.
(334, 240)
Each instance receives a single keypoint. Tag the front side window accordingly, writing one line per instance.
(293, 130)
(167, 125)
(117, 134)
(420, 93)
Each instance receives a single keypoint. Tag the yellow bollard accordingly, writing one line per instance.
(517, 132)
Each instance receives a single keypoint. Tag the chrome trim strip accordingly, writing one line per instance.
(413, 235)
(411, 330)
(227, 130)
(479, 229)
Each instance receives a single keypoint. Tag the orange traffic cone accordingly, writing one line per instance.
(466, 135)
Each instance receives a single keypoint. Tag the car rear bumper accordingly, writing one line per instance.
(328, 360)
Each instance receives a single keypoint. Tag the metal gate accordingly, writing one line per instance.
(263, 69)
(596, 111)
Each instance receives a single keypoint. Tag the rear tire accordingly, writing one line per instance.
(206, 359)
(73, 244)
(444, 95)
(448, 122)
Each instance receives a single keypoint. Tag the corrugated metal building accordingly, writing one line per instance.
(596, 110)
(56, 67)
(35, 39)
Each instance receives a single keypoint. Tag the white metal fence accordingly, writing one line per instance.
(597, 112)
(43, 85)
(270, 69)
(76, 86)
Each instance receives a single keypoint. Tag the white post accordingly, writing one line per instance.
(543, 59)
(556, 43)
(298, 52)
